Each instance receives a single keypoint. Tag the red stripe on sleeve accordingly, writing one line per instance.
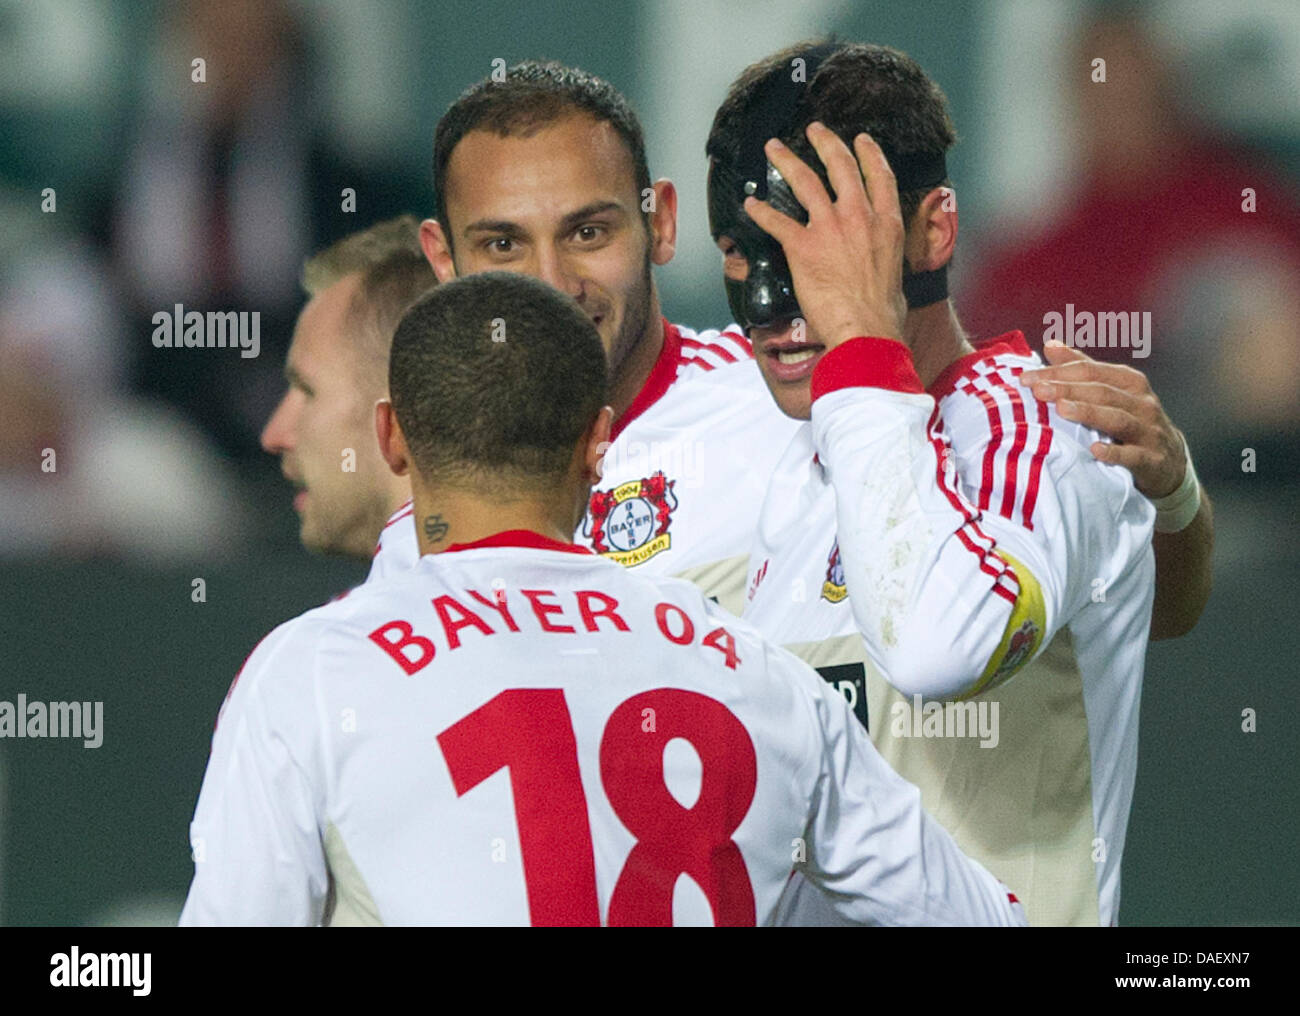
(995, 441)
(987, 568)
(933, 429)
(997, 568)
(1017, 446)
(1036, 463)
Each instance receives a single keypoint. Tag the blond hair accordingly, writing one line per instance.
(393, 274)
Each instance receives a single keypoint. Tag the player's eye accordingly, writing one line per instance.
(501, 245)
(589, 233)
(734, 263)
(729, 249)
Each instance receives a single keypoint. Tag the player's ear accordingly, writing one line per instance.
(392, 442)
(437, 251)
(932, 233)
(597, 443)
(661, 205)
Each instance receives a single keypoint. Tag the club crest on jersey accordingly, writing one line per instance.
(629, 524)
(1021, 645)
(833, 589)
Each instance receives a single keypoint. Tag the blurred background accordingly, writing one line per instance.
(125, 188)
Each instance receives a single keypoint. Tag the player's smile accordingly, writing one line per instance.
(784, 359)
(787, 359)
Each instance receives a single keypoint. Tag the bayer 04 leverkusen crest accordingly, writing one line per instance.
(629, 524)
(833, 588)
(1022, 645)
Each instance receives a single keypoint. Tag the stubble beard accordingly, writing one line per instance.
(632, 332)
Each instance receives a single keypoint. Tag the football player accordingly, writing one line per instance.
(337, 368)
(517, 731)
(935, 526)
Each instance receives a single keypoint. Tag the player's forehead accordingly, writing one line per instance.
(322, 333)
(542, 175)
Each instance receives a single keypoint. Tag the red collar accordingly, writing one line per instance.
(519, 538)
(408, 506)
(661, 378)
(1012, 343)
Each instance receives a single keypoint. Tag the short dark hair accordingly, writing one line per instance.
(533, 95)
(859, 87)
(392, 273)
(494, 378)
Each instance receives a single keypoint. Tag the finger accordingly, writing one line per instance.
(1114, 423)
(780, 226)
(1114, 374)
(1082, 369)
(841, 166)
(1091, 392)
(1059, 352)
(882, 188)
(1144, 465)
(805, 184)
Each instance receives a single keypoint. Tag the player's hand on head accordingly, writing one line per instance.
(1118, 401)
(847, 260)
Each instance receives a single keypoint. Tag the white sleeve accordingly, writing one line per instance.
(950, 601)
(873, 851)
(258, 858)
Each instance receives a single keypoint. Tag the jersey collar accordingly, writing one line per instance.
(519, 538)
(1012, 343)
(661, 378)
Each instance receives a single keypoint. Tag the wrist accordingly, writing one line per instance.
(856, 319)
(1182, 466)
(1175, 511)
(858, 326)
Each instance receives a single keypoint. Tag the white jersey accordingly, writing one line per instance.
(907, 569)
(516, 731)
(684, 476)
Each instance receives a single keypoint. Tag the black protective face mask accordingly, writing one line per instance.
(767, 295)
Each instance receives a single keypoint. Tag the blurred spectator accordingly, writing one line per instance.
(1161, 220)
(83, 470)
(229, 183)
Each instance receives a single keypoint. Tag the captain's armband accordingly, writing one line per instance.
(1022, 635)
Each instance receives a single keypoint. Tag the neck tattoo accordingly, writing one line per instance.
(434, 528)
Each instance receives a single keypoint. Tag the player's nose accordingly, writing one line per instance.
(553, 269)
(277, 435)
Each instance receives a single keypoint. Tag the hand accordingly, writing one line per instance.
(847, 261)
(1118, 401)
